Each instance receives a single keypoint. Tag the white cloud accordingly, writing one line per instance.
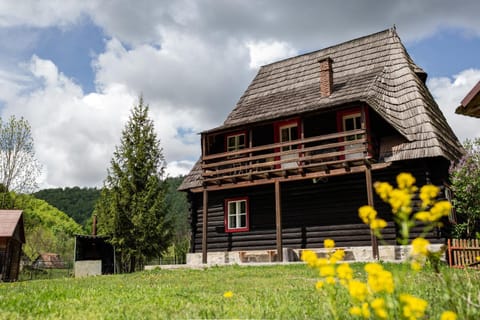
(449, 93)
(178, 168)
(42, 13)
(192, 62)
(264, 52)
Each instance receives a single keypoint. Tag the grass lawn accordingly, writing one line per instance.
(267, 292)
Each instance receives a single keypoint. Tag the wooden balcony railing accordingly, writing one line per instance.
(301, 156)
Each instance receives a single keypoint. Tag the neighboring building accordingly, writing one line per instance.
(12, 237)
(470, 105)
(93, 255)
(49, 261)
(296, 157)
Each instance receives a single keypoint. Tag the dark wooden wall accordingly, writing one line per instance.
(311, 212)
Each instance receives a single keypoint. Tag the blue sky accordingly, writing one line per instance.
(74, 69)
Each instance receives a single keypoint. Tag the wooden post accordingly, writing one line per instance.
(368, 178)
(204, 226)
(278, 221)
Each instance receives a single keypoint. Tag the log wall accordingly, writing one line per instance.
(311, 212)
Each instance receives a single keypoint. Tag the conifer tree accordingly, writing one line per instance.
(132, 209)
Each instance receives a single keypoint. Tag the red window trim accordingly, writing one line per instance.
(347, 112)
(276, 134)
(247, 206)
(236, 133)
(279, 124)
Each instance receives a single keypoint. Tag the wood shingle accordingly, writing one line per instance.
(375, 69)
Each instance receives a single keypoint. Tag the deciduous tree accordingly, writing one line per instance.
(19, 169)
(465, 178)
(132, 209)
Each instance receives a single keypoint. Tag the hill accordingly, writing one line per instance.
(47, 229)
(76, 202)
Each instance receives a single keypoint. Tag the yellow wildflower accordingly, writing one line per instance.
(338, 255)
(329, 243)
(330, 280)
(424, 216)
(358, 290)
(405, 180)
(400, 200)
(309, 257)
(372, 268)
(321, 262)
(365, 311)
(355, 311)
(383, 189)
(420, 246)
(448, 315)
(381, 282)
(344, 272)
(319, 285)
(416, 265)
(228, 294)
(367, 214)
(378, 306)
(327, 271)
(379, 279)
(440, 209)
(413, 307)
(377, 224)
(427, 193)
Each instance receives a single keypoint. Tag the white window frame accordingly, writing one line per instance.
(236, 146)
(236, 226)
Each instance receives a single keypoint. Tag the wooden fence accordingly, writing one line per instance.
(464, 253)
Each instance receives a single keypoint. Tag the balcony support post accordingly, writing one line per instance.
(368, 178)
(204, 226)
(278, 221)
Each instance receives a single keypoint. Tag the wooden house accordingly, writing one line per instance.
(470, 105)
(12, 237)
(296, 157)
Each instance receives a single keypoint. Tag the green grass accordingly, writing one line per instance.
(269, 292)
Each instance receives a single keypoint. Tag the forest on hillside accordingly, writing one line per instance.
(79, 203)
(76, 202)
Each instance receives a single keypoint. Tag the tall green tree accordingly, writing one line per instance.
(465, 179)
(132, 209)
(19, 169)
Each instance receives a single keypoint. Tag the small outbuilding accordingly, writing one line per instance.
(93, 256)
(12, 237)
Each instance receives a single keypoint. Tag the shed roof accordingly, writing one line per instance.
(10, 220)
(470, 105)
(375, 69)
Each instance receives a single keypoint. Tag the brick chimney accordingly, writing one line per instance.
(326, 77)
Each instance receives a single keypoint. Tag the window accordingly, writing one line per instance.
(236, 214)
(289, 133)
(352, 122)
(236, 142)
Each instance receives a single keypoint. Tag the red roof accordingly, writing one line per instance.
(9, 220)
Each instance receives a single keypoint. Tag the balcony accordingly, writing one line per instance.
(309, 157)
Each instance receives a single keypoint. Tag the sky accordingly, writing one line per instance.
(74, 69)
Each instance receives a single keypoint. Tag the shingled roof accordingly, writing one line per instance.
(470, 105)
(374, 69)
(10, 220)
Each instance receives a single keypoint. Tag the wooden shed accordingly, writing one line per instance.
(296, 157)
(12, 237)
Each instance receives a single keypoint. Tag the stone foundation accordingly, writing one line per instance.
(352, 254)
